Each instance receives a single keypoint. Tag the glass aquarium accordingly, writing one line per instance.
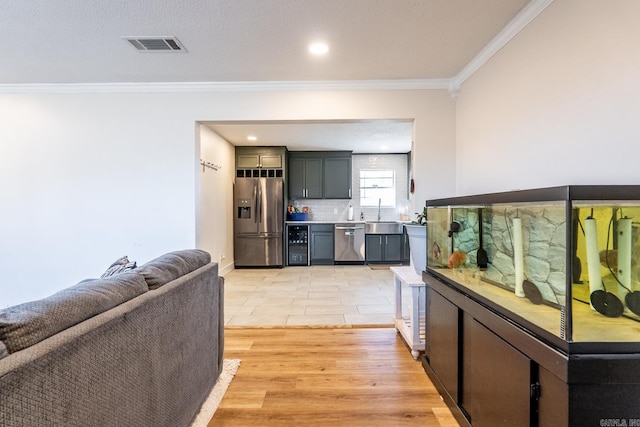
(562, 262)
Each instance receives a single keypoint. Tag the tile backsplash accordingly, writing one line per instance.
(338, 209)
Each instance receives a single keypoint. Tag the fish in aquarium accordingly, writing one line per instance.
(609, 258)
(436, 250)
(456, 259)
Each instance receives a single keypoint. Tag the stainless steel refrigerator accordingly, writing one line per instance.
(258, 222)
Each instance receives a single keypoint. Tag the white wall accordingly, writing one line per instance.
(213, 231)
(86, 178)
(559, 104)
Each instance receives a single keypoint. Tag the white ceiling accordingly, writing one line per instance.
(79, 41)
(366, 136)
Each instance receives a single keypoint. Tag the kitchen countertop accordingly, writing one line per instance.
(343, 222)
(325, 222)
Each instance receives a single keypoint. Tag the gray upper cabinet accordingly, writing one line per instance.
(337, 177)
(271, 161)
(320, 174)
(296, 178)
(248, 161)
(259, 157)
(305, 178)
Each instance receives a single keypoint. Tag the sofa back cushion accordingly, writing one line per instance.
(3, 350)
(172, 265)
(26, 324)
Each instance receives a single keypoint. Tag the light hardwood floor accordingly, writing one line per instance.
(327, 377)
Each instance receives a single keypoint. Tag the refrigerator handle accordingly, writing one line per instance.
(259, 205)
(255, 203)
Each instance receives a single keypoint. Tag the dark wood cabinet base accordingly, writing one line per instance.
(490, 371)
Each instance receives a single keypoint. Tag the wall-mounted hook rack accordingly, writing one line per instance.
(209, 165)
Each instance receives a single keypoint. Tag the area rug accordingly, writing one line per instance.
(383, 266)
(229, 369)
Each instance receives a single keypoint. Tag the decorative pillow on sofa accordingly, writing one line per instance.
(119, 266)
(120, 261)
(26, 324)
(170, 266)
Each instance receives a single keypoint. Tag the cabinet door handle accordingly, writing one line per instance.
(349, 193)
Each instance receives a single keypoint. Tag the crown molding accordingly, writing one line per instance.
(521, 20)
(248, 86)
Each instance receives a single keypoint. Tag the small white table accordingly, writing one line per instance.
(411, 327)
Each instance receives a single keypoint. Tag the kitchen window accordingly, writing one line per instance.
(378, 186)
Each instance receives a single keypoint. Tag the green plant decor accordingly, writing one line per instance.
(421, 218)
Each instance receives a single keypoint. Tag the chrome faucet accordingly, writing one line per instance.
(379, 204)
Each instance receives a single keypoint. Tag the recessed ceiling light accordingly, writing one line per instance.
(384, 147)
(318, 48)
(252, 138)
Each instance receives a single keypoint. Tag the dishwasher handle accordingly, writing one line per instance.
(349, 228)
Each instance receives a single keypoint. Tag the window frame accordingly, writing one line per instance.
(387, 200)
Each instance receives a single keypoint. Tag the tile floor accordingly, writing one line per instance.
(309, 296)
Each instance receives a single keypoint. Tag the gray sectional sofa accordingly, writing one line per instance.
(139, 348)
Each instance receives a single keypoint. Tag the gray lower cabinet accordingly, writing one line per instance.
(373, 247)
(384, 248)
(406, 250)
(321, 244)
(393, 247)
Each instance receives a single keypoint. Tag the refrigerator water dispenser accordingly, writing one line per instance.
(244, 212)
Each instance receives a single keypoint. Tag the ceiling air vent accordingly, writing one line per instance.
(156, 44)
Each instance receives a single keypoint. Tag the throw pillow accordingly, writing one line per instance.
(3, 350)
(120, 261)
(119, 266)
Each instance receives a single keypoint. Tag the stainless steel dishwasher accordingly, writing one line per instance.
(349, 243)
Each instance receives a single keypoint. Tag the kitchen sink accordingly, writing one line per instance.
(383, 227)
